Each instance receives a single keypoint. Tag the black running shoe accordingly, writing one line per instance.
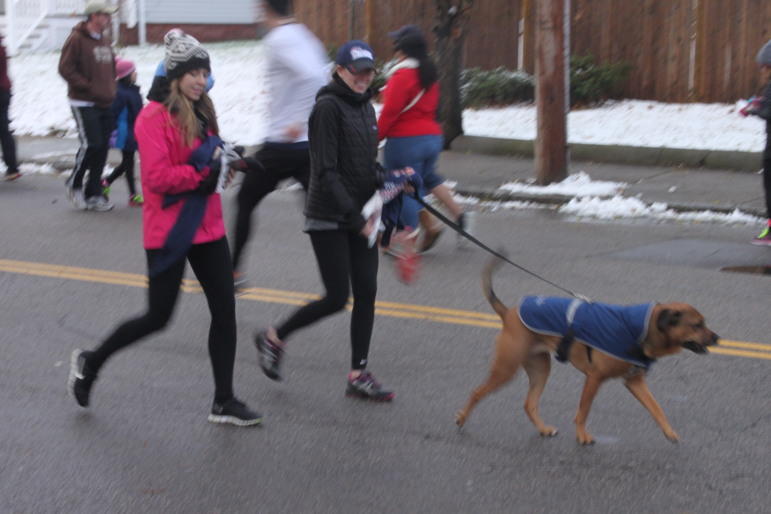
(81, 377)
(235, 412)
(270, 355)
(367, 388)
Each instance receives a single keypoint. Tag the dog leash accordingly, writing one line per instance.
(457, 228)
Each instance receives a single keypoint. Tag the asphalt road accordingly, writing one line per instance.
(67, 278)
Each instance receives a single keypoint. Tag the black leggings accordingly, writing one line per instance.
(7, 142)
(126, 166)
(281, 161)
(346, 263)
(211, 265)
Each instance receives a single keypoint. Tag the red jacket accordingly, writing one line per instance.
(5, 82)
(163, 154)
(420, 119)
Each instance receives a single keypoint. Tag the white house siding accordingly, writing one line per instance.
(201, 11)
(219, 15)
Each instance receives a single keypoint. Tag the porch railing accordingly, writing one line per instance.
(25, 18)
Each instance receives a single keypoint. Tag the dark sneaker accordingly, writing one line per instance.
(365, 387)
(271, 351)
(235, 412)
(81, 377)
(431, 227)
(764, 239)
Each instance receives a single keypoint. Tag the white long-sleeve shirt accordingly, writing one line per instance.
(297, 68)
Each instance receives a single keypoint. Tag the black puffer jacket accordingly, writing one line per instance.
(342, 133)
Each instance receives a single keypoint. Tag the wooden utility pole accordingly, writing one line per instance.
(551, 90)
(369, 20)
(450, 24)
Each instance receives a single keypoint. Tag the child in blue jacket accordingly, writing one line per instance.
(125, 108)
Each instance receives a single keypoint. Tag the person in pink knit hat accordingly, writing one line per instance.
(125, 108)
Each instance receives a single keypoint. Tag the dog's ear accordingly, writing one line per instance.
(668, 318)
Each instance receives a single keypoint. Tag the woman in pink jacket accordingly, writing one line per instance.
(179, 150)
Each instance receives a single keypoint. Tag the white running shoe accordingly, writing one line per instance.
(99, 203)
(77, 198)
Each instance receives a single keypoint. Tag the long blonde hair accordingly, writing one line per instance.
(184, 113)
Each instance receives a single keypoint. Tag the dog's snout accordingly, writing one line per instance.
(715, 340)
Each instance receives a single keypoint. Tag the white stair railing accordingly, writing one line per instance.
(25, 19)
(24, 16)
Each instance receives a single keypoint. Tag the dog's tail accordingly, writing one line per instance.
(487, 287)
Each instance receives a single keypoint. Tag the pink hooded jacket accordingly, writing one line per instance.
(163, 157)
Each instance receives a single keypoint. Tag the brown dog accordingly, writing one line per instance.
(665, 330)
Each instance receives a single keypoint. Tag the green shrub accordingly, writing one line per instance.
(380, 78)
(589, 84)
(592, 84)
(495, 87)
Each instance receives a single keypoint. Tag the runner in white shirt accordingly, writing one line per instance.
(297, 68)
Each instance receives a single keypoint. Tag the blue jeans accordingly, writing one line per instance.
(421, 153)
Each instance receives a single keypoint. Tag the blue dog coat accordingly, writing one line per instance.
(616, 330)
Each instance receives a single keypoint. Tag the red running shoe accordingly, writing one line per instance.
(407, 258)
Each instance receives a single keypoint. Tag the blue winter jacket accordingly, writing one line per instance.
(125, 109)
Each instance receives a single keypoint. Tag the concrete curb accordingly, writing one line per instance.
(618, 154)
(556, 201)
(61, 158)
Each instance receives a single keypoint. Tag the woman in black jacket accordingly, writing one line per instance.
(343, 145)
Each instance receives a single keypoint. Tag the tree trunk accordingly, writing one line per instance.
(551, 91)
(450, 30)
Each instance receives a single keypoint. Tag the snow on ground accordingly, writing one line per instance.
(39, 107)
(577, 184)
(634, 123)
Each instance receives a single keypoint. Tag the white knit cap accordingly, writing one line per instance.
(183, 53)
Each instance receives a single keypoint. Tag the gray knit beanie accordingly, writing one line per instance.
(764, 56)
(183, 53)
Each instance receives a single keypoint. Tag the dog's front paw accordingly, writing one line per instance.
(548, 431)
(584, 439)
(460, 419)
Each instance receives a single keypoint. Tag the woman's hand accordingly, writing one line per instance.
(231, 175)
(370, 226)
(293, 131)
(202, 156)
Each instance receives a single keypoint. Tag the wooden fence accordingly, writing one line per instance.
(680, 50)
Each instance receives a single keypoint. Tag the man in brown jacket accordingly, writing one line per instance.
(87, 64)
